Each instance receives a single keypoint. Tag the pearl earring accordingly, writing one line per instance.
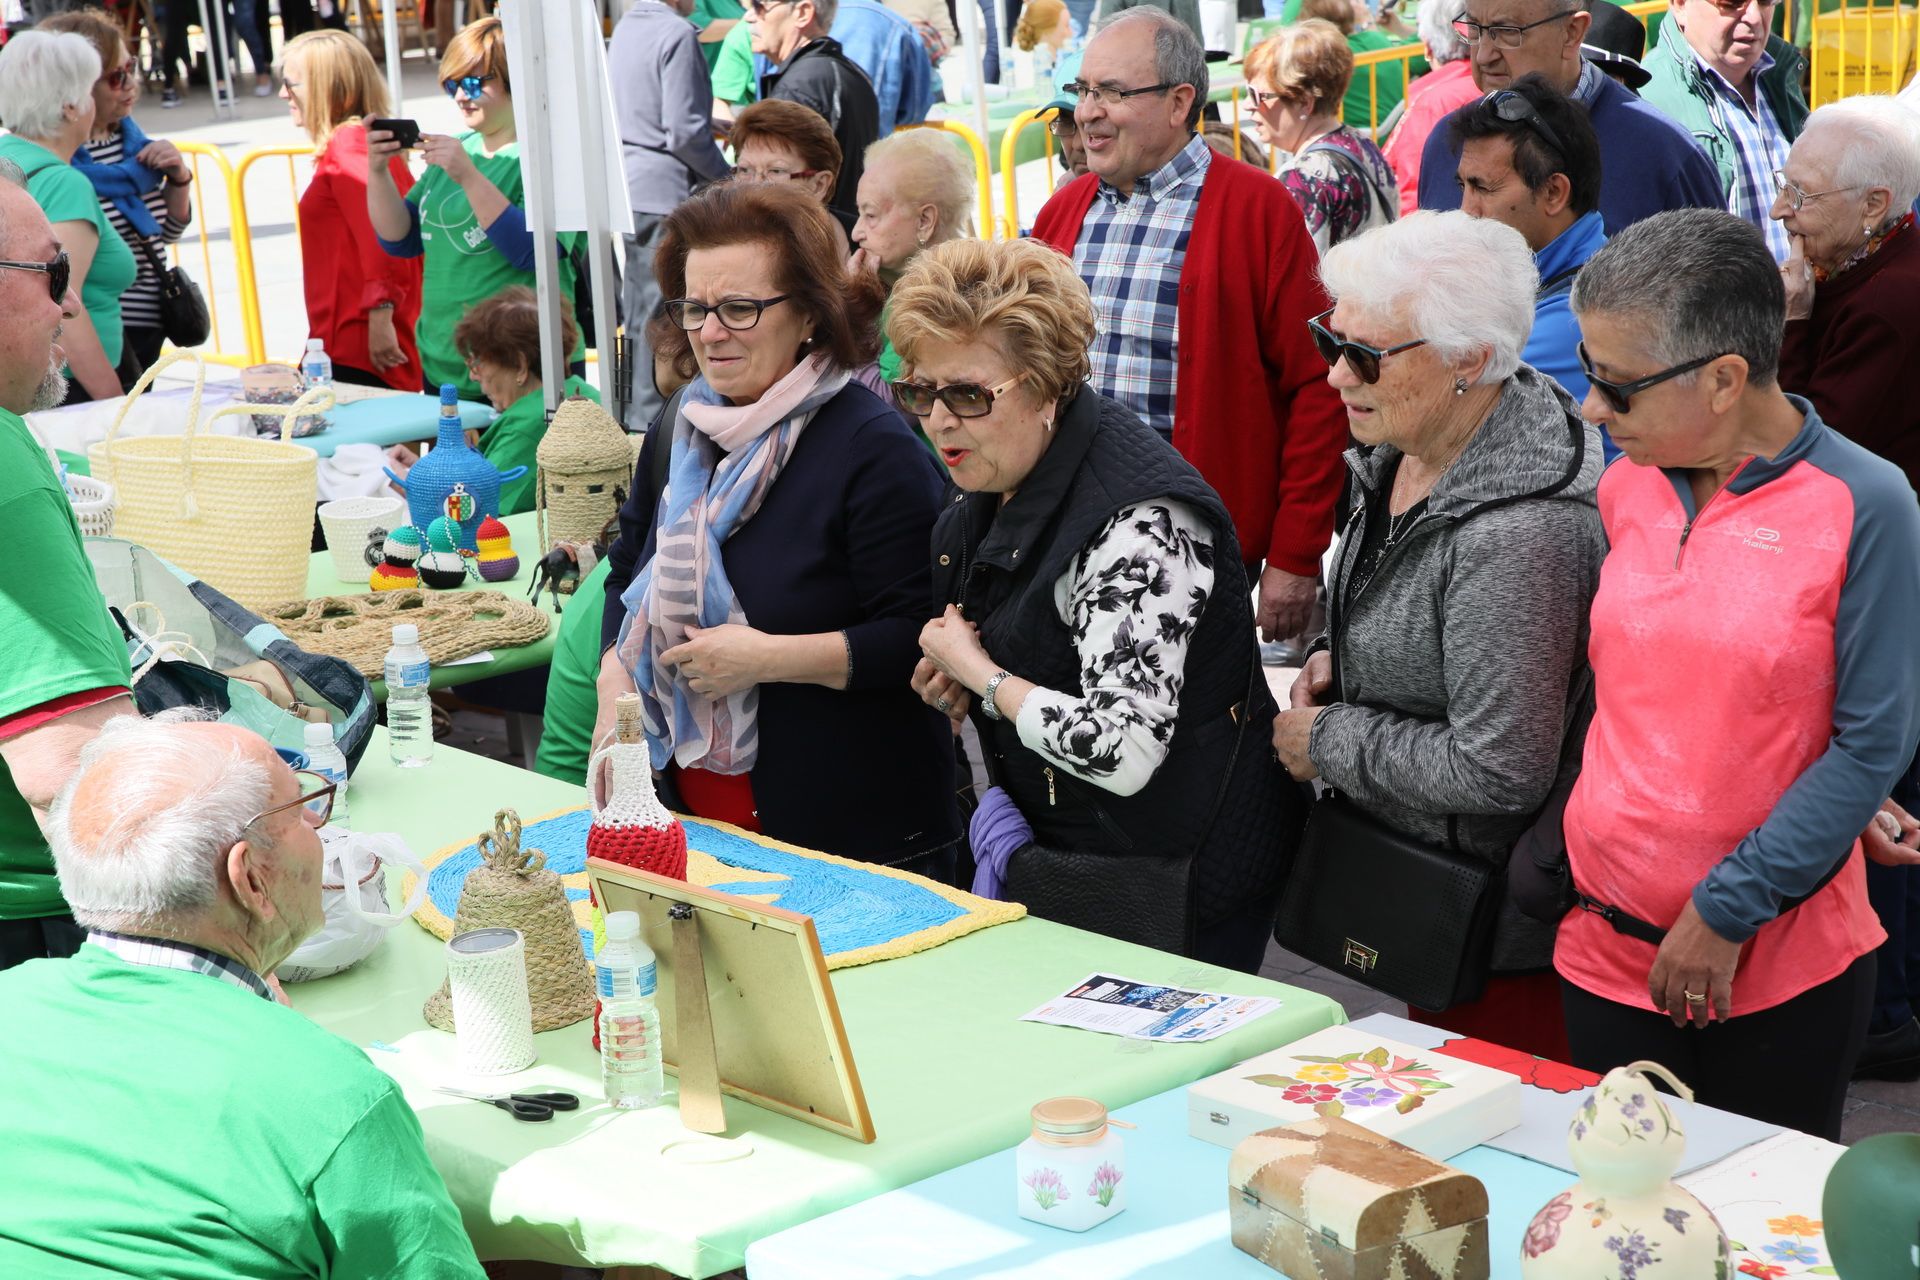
(1459, 386)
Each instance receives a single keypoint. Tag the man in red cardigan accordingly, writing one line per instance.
(1203, 278)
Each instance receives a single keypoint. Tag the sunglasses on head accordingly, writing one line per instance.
(1617, 394)
(1361, 358)
(469, 85)
(963, 399)
(59, 273)
(1515, 109)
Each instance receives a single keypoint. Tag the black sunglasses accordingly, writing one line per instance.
(734, 313)
(1617, 394)
(469, 85)
(1361, 358)
(1515, 109)
(964, 399)
(59, 273)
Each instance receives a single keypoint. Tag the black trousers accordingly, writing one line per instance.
(45, 938)
(1788, 1065)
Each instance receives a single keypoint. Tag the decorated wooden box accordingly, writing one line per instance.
(1325, 1199)
(1435, 1104)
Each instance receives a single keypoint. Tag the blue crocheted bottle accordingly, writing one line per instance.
(449, 463)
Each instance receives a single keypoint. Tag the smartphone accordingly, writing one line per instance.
(405, 132)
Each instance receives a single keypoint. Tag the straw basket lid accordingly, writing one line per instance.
(583, 437)
(586, 465)
(512, 889)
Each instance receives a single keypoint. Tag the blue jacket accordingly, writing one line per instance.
(1648, 163)
(1556, 334)
(885, 46)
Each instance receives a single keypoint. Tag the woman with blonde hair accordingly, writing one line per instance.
(915, 192)
(361, 303)
(1044, 23)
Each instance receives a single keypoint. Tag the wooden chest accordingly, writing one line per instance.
(1326, 1199)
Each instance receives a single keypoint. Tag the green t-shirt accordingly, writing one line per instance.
(166, 1123)
(706, 13)
(572, 698)
(733, 78)
(462, 266)
(514, 436)
(1392, 78)
(58, 640)
(64, 195)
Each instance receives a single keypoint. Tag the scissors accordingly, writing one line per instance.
(530, 1107)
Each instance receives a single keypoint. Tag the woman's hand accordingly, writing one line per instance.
(1892, 839)
(941, 691)
(446, 152)
(952, 645)
(383, 343)
(863, 264)
(718, 661)
(1292, 732)
(614, 679)
(401, 459)
(165, 158)
(1796, 273)
(381, 149)
(1311, 685)
(1693, 961)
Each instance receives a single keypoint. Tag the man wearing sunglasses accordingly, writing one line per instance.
(1203, 280)
(65, 672)
(1647, 161)
(162, 1052)
(1720, 72)
(810, 68)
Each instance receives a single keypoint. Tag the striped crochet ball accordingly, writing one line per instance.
(497, 561)
(389, 576)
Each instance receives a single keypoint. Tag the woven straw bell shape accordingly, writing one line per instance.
(586, 467)
(512, 889)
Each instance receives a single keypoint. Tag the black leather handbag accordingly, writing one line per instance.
(1400, 915)
(183, 308)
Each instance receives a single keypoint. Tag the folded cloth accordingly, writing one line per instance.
(998, 831)
(354, 471)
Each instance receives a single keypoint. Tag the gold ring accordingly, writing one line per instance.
(1692, 998)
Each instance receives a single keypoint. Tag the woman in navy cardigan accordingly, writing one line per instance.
(767, 600)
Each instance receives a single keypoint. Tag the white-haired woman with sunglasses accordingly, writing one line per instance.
(1437, 703)
(466, 216)
(46, 99)
(1098, 626)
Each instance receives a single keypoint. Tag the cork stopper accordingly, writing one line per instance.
(626, 718)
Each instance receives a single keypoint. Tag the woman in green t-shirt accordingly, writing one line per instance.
(46, 98)
(467, 214)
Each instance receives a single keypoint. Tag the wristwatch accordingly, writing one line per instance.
(987, 703)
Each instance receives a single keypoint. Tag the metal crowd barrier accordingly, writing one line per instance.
(982, 167)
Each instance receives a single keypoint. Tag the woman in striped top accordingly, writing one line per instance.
(143, 185)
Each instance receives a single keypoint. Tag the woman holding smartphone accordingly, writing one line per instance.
(466, 216)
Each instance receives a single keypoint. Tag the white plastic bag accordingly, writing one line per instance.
(353, 890)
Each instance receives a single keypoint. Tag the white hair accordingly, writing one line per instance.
(824, 12)
(41, 75)
(155, 839)
(1464, 284)
(1877, 145)
(933, 171)
(1436, 20)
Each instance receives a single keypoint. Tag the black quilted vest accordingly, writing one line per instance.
(1000, 564)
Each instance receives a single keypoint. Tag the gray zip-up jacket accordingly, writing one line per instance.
(1454, 664)
(663, 106)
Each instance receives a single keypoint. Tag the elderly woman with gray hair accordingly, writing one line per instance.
(1437, 704)
(46, 99)
(1752, 650)
(916, 192)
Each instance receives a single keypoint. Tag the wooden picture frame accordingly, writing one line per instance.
(775, 1034)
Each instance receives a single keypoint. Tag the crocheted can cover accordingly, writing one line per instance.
(862, 912)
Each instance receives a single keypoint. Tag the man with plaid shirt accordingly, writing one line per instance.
(1203, 280)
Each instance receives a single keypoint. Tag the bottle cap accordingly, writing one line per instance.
(316, 344)
(406, 633)
(623, 926)
(320, 735)
(449, 394)
(1069, 1121)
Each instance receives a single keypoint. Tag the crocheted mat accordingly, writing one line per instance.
(862, 912)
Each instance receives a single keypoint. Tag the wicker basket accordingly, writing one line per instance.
(347, 521)
(233, 511)
(92, 505)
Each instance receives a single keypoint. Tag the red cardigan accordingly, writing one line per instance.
(347, 271)
(1252, 408)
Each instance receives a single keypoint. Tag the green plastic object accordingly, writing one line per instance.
(1871, 1209)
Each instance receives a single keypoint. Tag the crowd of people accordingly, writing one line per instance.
(1553, 426)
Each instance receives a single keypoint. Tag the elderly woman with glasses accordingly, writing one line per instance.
(766, 594)
(1098, 625)
(466, 217)
(1437, 703)
(1752, 649)
(781, 141)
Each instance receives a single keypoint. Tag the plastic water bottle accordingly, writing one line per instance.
(326, 759)
(316, 367)
(630, 1066)
(409, 711)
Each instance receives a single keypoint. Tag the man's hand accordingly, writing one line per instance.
(1693, 961)
(1286, 602)
(1892, 839)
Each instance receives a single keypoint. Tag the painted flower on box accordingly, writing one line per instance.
(1764, 1270)
(1048, 1187)
(1403, 1074)
(1371, 1095)
(1544, 1231)
(1310, 1094)
(1105, 1180)
(1323, 1073)
(1794, 1224)
(1791, 1251)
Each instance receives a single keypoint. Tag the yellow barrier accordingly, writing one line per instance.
(1862, 49)
(246, 299)
(243, 234)
(1372, 60)
(1009, 186)
(982, 167)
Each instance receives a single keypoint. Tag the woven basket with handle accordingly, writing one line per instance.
(234, 511)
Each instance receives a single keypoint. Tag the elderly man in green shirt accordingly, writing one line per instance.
(165, 1114)
(65, 670)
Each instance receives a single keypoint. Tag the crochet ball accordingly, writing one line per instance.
(443, 535)
(442, 569)
(393, 576)
(497, 561)
(402, 545)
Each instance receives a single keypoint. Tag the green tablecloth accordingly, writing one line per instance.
(948, 1069)
(322, 581)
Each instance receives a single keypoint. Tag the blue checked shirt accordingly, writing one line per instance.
(1759, 145)
(165, 953)
(1130, 253)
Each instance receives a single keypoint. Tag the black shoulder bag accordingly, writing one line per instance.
(183, 308)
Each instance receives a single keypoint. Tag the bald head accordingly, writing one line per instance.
(30, 317)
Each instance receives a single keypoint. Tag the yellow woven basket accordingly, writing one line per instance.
(234, 511)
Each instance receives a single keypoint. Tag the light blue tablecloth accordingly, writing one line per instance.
(962, 1224)
(385, 420)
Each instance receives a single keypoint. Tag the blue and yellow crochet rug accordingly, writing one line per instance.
(862, 912)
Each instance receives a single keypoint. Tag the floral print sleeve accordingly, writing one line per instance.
(1131, 600)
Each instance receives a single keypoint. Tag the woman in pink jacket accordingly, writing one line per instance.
(1752, 650)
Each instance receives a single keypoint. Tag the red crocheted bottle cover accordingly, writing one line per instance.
(661, 850)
